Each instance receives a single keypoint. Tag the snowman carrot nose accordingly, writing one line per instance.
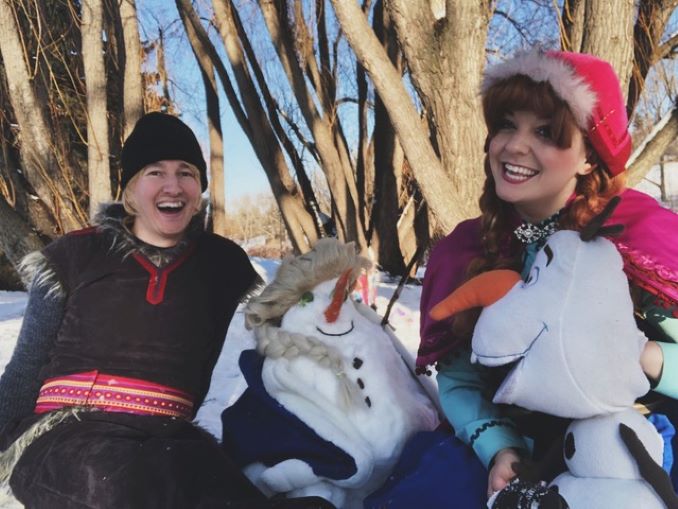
(482, 290)
(338, 297)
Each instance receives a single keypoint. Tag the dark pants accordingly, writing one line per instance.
(120, 461)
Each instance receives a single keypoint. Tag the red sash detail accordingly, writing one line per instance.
(112, 393)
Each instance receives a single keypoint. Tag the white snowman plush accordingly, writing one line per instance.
(601, 472)
(337, 371)
(570, 331)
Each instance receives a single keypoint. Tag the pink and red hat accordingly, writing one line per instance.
(591, 89)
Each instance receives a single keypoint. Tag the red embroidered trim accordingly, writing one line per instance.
(655, 278)
(157, 281)
(112, 393)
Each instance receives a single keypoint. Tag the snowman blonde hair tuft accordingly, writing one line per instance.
(297, 275)
(328, 259)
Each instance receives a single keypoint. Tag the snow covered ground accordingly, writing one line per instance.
(227, 382)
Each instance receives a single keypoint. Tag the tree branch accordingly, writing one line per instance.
(653, 147)
(436, 186)
(194, 27)
(668, 47)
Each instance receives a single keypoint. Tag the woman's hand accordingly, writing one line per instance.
(652, 360)
(502, 471)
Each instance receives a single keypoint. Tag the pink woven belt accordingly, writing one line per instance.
(113, 393)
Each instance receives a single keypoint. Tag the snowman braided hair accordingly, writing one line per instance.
(297, 275)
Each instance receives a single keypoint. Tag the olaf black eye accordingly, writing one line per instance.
(306, 297)
(549, 254)
(569, 447)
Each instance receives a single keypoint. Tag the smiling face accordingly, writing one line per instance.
(309, 315)
(165, 196)
(570, 327)
(530, 169)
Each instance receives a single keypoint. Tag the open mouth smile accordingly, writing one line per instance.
(335, 335)
(517, 174)
(171, 206)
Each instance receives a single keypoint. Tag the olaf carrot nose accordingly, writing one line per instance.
(482, 290)
(338, 297)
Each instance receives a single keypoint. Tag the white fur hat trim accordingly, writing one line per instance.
(541, 66)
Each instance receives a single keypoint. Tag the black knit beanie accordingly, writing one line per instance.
(160, 137)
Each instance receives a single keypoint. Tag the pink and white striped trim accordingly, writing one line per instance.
(112, 393)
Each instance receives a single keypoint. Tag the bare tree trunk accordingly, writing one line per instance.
(446, 58)
(162, 70)
(133, 89)
(335, 162)
(572, 28)
(450, 201)
(651, 149)
(653, 16)
(274, 113)
(608, 33)
(9, 277)
(217, 187)
(388, 163)
(38, 161)
(300, 225)
(97, 122)
(361, 158)
(18, 238)
(33, 211)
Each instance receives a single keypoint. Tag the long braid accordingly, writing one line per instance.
(497, 245)
(297, 275)
(593, 192)
(275, 343)
(495, 231)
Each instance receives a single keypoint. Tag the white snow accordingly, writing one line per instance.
(12, 306)
(227, 382)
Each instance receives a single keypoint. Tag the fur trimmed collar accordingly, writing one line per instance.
(115, 222)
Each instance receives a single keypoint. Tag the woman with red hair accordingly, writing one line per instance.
(556, 152)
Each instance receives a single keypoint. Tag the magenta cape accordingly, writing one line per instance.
(648, 245)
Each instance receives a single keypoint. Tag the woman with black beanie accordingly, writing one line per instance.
(123, 327)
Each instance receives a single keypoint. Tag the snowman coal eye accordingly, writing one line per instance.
(306, 298)
(569, 447)
(532, 277)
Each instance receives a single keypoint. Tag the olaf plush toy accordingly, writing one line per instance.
(330, 402)
(570, 331)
